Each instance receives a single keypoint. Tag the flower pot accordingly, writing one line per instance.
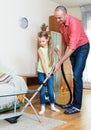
(43, 28)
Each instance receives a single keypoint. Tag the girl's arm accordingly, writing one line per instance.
(57, 52)
(42, 62)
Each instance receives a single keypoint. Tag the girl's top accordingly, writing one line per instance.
(46, 58)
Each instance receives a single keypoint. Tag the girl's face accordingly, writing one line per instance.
(43, 42)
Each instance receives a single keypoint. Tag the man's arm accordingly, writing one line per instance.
(64, 57)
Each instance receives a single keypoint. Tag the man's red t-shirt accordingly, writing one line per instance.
(73, 33)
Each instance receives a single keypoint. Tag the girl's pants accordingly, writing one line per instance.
(49, 85)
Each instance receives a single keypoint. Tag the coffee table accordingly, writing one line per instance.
(16, 114)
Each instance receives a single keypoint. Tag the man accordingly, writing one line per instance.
(75, 46)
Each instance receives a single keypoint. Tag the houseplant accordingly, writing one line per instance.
(44, 27)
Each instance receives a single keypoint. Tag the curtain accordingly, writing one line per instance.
(86, 20)
(57, 80)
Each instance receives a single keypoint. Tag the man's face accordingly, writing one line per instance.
(60, 16)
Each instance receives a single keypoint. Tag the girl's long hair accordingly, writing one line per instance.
(50, 46)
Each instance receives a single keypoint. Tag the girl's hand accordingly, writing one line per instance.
(47, 76)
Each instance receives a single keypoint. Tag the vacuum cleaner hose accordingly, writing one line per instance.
(69, 88)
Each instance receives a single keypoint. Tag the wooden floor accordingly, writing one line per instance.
(78, 121)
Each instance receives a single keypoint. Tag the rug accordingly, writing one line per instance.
(30, 122)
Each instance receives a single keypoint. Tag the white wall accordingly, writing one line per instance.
(75, 12)
(18, 47)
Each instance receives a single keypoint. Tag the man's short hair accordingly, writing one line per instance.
(62, 8)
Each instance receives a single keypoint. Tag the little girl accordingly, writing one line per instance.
(45, 64)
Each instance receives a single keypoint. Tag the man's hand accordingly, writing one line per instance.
(56, 67)
(64, 57)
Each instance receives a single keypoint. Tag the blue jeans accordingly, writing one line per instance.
(49, 85)
(78, 62)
